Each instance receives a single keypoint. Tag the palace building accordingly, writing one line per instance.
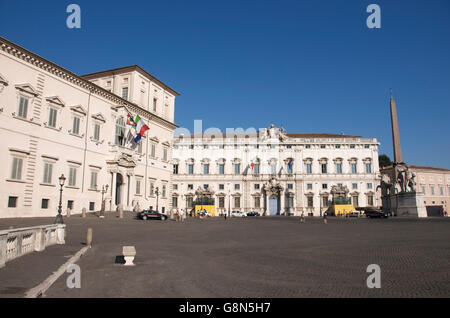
(55, 122)
(273, 172)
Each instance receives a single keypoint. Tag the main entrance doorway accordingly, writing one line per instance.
(119, 183)
(273, 205)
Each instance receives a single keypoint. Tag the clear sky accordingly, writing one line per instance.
(311, 66)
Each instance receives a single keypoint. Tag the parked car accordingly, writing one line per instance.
(238, 214)
(375, 214)
(252, 213)
(151, 215)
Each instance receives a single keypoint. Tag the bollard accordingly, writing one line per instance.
(68, 213)
(121, 213)
(83, 213)
(89, 237)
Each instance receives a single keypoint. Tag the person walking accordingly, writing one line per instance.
(325, 214)
(182, 215)
(302, 217)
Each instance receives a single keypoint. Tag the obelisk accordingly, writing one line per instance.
(395, 133)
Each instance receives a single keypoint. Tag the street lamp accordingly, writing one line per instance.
(59, 218)
(104, 190)
(157, 195)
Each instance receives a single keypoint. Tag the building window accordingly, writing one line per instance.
(324, 168)
(165, 154)
(190, 202)
(190, 187)
(120, 131)
(310, 201)
(221, 202)
(44, 203)
(338, 146)
(153, 151)
(309, 168)
(190, 168)
(12, 202)
(205, 186)
(370, 200)
(256, 186)
(322, 146)
(368, 168)
(175, 202)
(221, 186)
(432, 189)
(23, 107)
(256, 168)
(340, 185)
(257, 202)
(237, 202)
(441, 190)
(237, 186)
(152, 189)
(273, 168)
(155, 102)
(175, 169)
(237, 168)
(139, 148)
(424, 189)
(175, 186)
(308, 146)
(206, 168)
(355, 200)
(91, 206)
(324, 186)
(325, 201)
(352, 146)
(48, 169)
(16, 170)
(76, 126)
(369, 186)
(309, 186)
(353, 165)
(72, 182)
(52, 117)
(125, 93)
(354, 186)
(191, 147)
(221, 168)
(366, 146)
(93, 184)
(70, 204)
(96, 136)
(138, 186)
(164, 190)
(339, 168)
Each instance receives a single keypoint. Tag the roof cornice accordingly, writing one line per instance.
(126, 69)
(52, 68)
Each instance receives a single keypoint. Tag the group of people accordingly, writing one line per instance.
(302, 217)
(180, 215)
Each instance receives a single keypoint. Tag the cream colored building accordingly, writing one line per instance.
(290, 172)
(433, 183)
(54, 122)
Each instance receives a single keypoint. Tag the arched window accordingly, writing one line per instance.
(120, 131)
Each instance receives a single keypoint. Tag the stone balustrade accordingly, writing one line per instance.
(17, 242)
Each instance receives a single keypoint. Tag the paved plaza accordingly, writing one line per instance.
(251, 257)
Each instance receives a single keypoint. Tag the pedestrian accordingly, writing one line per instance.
(302, 217)
(225, 215)
(181, 215)
(325, 217)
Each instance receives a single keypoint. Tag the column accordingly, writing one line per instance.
(113, 189)
(266, 207)
(282, 203)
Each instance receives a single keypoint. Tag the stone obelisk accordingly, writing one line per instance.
(395, 133)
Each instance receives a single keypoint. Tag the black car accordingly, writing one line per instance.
(252, 213)
(375, 214)
(151, 215)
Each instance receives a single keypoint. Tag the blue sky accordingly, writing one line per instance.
(311, 66)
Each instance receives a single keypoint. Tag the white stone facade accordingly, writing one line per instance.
(296, 171)
(54, 122)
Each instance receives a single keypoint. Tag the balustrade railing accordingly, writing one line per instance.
(17, 242)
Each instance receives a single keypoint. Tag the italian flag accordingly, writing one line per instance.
(141, 128)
